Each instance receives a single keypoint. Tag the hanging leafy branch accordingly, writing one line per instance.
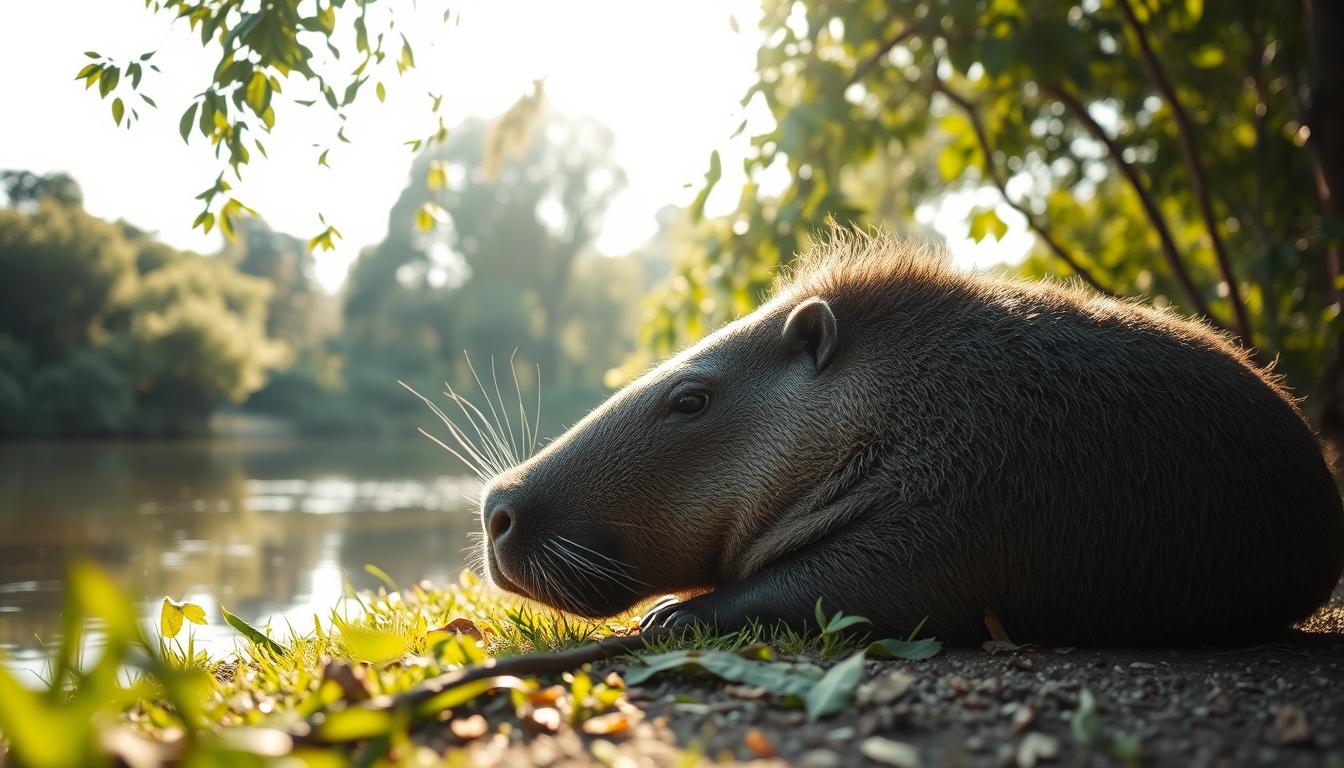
(262, 50)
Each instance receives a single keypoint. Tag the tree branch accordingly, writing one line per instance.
(1131, 174)
(996, 175)
(861, 71)
(1198, 178)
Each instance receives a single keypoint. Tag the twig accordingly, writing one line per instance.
(1131, 175)
(517, 666)
(995, 175)
(1198, 179)
(861, 71)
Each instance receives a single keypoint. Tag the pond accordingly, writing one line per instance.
(270, 529)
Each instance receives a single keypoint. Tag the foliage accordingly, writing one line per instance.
(1156, 149)
(263, 50)
(328, 695)
(105, 331)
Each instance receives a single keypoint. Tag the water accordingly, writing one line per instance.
(270, 529)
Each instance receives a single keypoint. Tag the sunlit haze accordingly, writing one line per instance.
(666, 77)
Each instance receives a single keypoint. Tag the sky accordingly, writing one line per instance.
(666, 77)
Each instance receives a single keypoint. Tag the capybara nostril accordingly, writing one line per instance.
(501, 520)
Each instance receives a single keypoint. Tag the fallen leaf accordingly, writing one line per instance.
(911, 650)
(605, 725)
(890, 752)
(1036, 748)
(835, 691)
(547, 696)
(468, 728)
(543, 719)
(759, 744)
(1291, 726)
(886, 688)
(1023, 717)
(349, 679)
(745, 691)
(998, 636)
(463, 627)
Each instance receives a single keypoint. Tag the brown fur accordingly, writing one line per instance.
(1094, 471)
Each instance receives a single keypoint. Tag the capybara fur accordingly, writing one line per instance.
(914, 444)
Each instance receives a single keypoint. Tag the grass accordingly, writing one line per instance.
(329, 696)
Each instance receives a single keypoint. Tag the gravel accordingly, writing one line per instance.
(1278, 704)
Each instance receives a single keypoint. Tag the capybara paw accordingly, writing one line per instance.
(676, 615)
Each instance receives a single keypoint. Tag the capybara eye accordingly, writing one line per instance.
(690, 403)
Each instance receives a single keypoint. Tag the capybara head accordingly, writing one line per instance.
(698, 472)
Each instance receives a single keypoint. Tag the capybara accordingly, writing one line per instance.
(914, 444)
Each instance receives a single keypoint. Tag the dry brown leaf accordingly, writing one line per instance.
(350, 679)
(462, 627)
(606, 725)
(998, 635)
(1291, 726)
(759, 744)
(546, 696)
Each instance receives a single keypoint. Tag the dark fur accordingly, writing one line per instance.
(940, 445)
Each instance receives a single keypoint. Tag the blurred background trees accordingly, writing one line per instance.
(1184, 154)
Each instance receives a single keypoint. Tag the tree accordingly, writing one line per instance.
(1156, 149)
(104, 330)
(66, 274)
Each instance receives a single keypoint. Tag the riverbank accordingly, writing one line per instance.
(339, 694)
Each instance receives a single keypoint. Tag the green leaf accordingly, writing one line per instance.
(382, 576)
(205, 221)
(840, 623)
(170, 619)
(437, 177)
(88, 70)
(986, 222)
(712, 177)
(91, 54)
(374, 645)
(322, 158)
(258, 92)
(354, 724)
(1208, 56)
(912, 650)
(39, 734)
(185, 124)
(118, 110)
(457, 695)
(381, 91)
(108, 82)
(834, 692)
(776, 677)
(1086, 724)
(252, 633)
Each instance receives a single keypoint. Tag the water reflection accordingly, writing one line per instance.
(270, 529)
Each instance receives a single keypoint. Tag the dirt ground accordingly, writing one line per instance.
(1275, 704)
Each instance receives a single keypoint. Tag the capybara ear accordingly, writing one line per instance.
(812, 325)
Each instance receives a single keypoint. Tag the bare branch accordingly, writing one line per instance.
(1198, 178)
(1131, 174)
(996, 175)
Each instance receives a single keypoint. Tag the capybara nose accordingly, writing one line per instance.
(499, 522)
